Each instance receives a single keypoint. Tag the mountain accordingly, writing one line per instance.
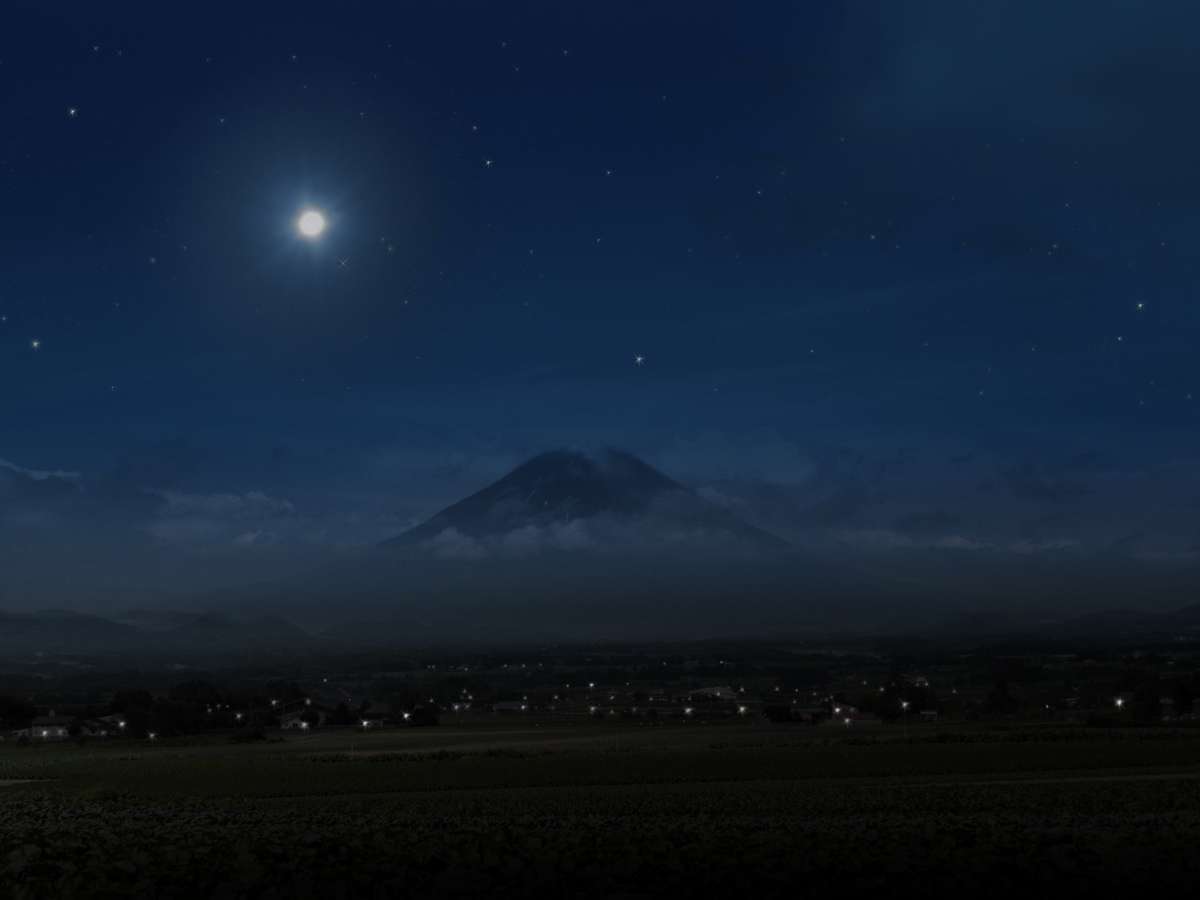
(140, 633)
(612, 490)
(62, 631)
(217, 632)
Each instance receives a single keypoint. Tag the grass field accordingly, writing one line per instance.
(517, 809)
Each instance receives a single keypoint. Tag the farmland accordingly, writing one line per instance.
(603, 809)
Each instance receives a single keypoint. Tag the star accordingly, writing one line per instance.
(72, 112)
(35, 344)
(488, 163)
(344, 263)
(639, 360)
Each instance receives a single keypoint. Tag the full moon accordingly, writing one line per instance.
(311, 223)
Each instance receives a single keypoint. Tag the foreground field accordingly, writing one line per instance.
(598, 810)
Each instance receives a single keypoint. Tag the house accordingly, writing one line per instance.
(510, 706)
(303, 719)
(810, 714)
(47, 728)
(723, 692)
(99, 727)
(112, 724)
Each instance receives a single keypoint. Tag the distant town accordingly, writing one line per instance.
(844, 686)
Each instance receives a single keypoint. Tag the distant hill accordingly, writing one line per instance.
(188, 635)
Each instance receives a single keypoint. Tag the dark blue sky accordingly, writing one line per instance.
(903, 275)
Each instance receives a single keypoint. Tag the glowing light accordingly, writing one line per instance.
(311, 223)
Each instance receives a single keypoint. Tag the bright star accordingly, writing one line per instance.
(35, 344)
(639, 360)
(72, 112)
(311, 223)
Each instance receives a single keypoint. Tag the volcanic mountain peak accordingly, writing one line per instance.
(563, 486)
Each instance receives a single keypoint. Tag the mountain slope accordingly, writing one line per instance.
(564, 487)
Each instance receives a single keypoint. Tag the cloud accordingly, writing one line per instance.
(659, 531)
(1027, 481)
(933, 522)
(256, 538)
(250, 505)
(1082, 65)
(38, 475)
(453, 544)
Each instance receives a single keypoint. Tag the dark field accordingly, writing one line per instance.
(598, 810)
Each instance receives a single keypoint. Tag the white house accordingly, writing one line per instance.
(46, 728)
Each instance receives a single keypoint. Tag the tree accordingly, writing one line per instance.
(341, 715)
(1000, 700)
(128, 701)
(200, 693)
(424, 715)
(1184, 698)
(16, 712)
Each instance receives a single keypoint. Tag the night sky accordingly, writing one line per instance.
(884, 278)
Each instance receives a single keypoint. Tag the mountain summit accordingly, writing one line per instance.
(568, 487)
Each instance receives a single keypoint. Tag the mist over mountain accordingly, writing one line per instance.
(573, 500)
(571, 543)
